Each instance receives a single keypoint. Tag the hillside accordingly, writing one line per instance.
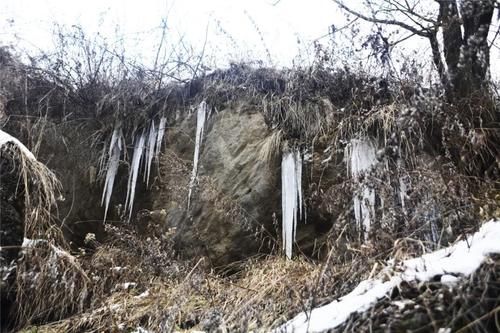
(238, 200)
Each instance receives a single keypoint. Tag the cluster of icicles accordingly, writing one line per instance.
(360, 156)
(147, 147)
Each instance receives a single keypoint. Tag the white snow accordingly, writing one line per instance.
(291, 197)
(118, 269)
(139, 329)
(134, 171)
(7, 138)
(142, 295)
(362, 157)
(463, 258)
(200, 127)
(449, 279)
(128, 285)
(115, 148)
(32, 242)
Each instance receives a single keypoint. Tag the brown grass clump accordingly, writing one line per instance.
(263, 295)
(40, 189)
(50, 283)
(137, 282)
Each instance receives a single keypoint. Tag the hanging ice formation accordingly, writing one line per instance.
(362, 156)
(161, 133)
(133, 172)
(200, 126)
(291, 198)
(115, 148)
(148, 148)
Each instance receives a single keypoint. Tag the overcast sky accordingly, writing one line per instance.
(236, 28)
(275, 31)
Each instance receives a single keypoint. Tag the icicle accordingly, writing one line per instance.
(403, 190)
(200, 125)
(362, 158)
(134, 170)
(404, 183)
(150, 150)
(291, 198)
(115, 148)
(159, 138)
(298, 174)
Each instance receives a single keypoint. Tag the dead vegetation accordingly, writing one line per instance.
(39, 187)
(448, 154)
(135, 281)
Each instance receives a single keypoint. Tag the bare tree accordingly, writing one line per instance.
(462, 57)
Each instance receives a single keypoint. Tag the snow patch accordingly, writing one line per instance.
(463, 258)
(7, 138)
(142, 295)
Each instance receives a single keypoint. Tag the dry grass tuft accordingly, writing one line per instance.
(40, 189)
(50, 283)
(271, 148)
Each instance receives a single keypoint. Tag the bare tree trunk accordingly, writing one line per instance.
(466, 55)
(475, 54)
(452, 40)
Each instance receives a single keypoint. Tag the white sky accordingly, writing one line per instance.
(229, 21)
(235, 29)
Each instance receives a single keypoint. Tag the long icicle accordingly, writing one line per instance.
(362, 158)
(150, 150)
(115, 148)
(291, 198)
(159, 138)
(200, 125)
(298, 172)
(134, 171)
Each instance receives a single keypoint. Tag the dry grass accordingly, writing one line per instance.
(40, 189)
(137, 282)
(50, 284)
(266, 293)
(271, 148)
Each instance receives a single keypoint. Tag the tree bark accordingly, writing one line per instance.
(475, 53)
(452, 35)
(466, 55)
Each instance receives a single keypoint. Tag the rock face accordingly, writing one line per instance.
(235, 207)
(236, 192)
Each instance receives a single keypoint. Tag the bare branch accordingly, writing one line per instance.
(424, 32)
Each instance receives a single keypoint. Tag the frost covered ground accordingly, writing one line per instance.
(449, 264)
